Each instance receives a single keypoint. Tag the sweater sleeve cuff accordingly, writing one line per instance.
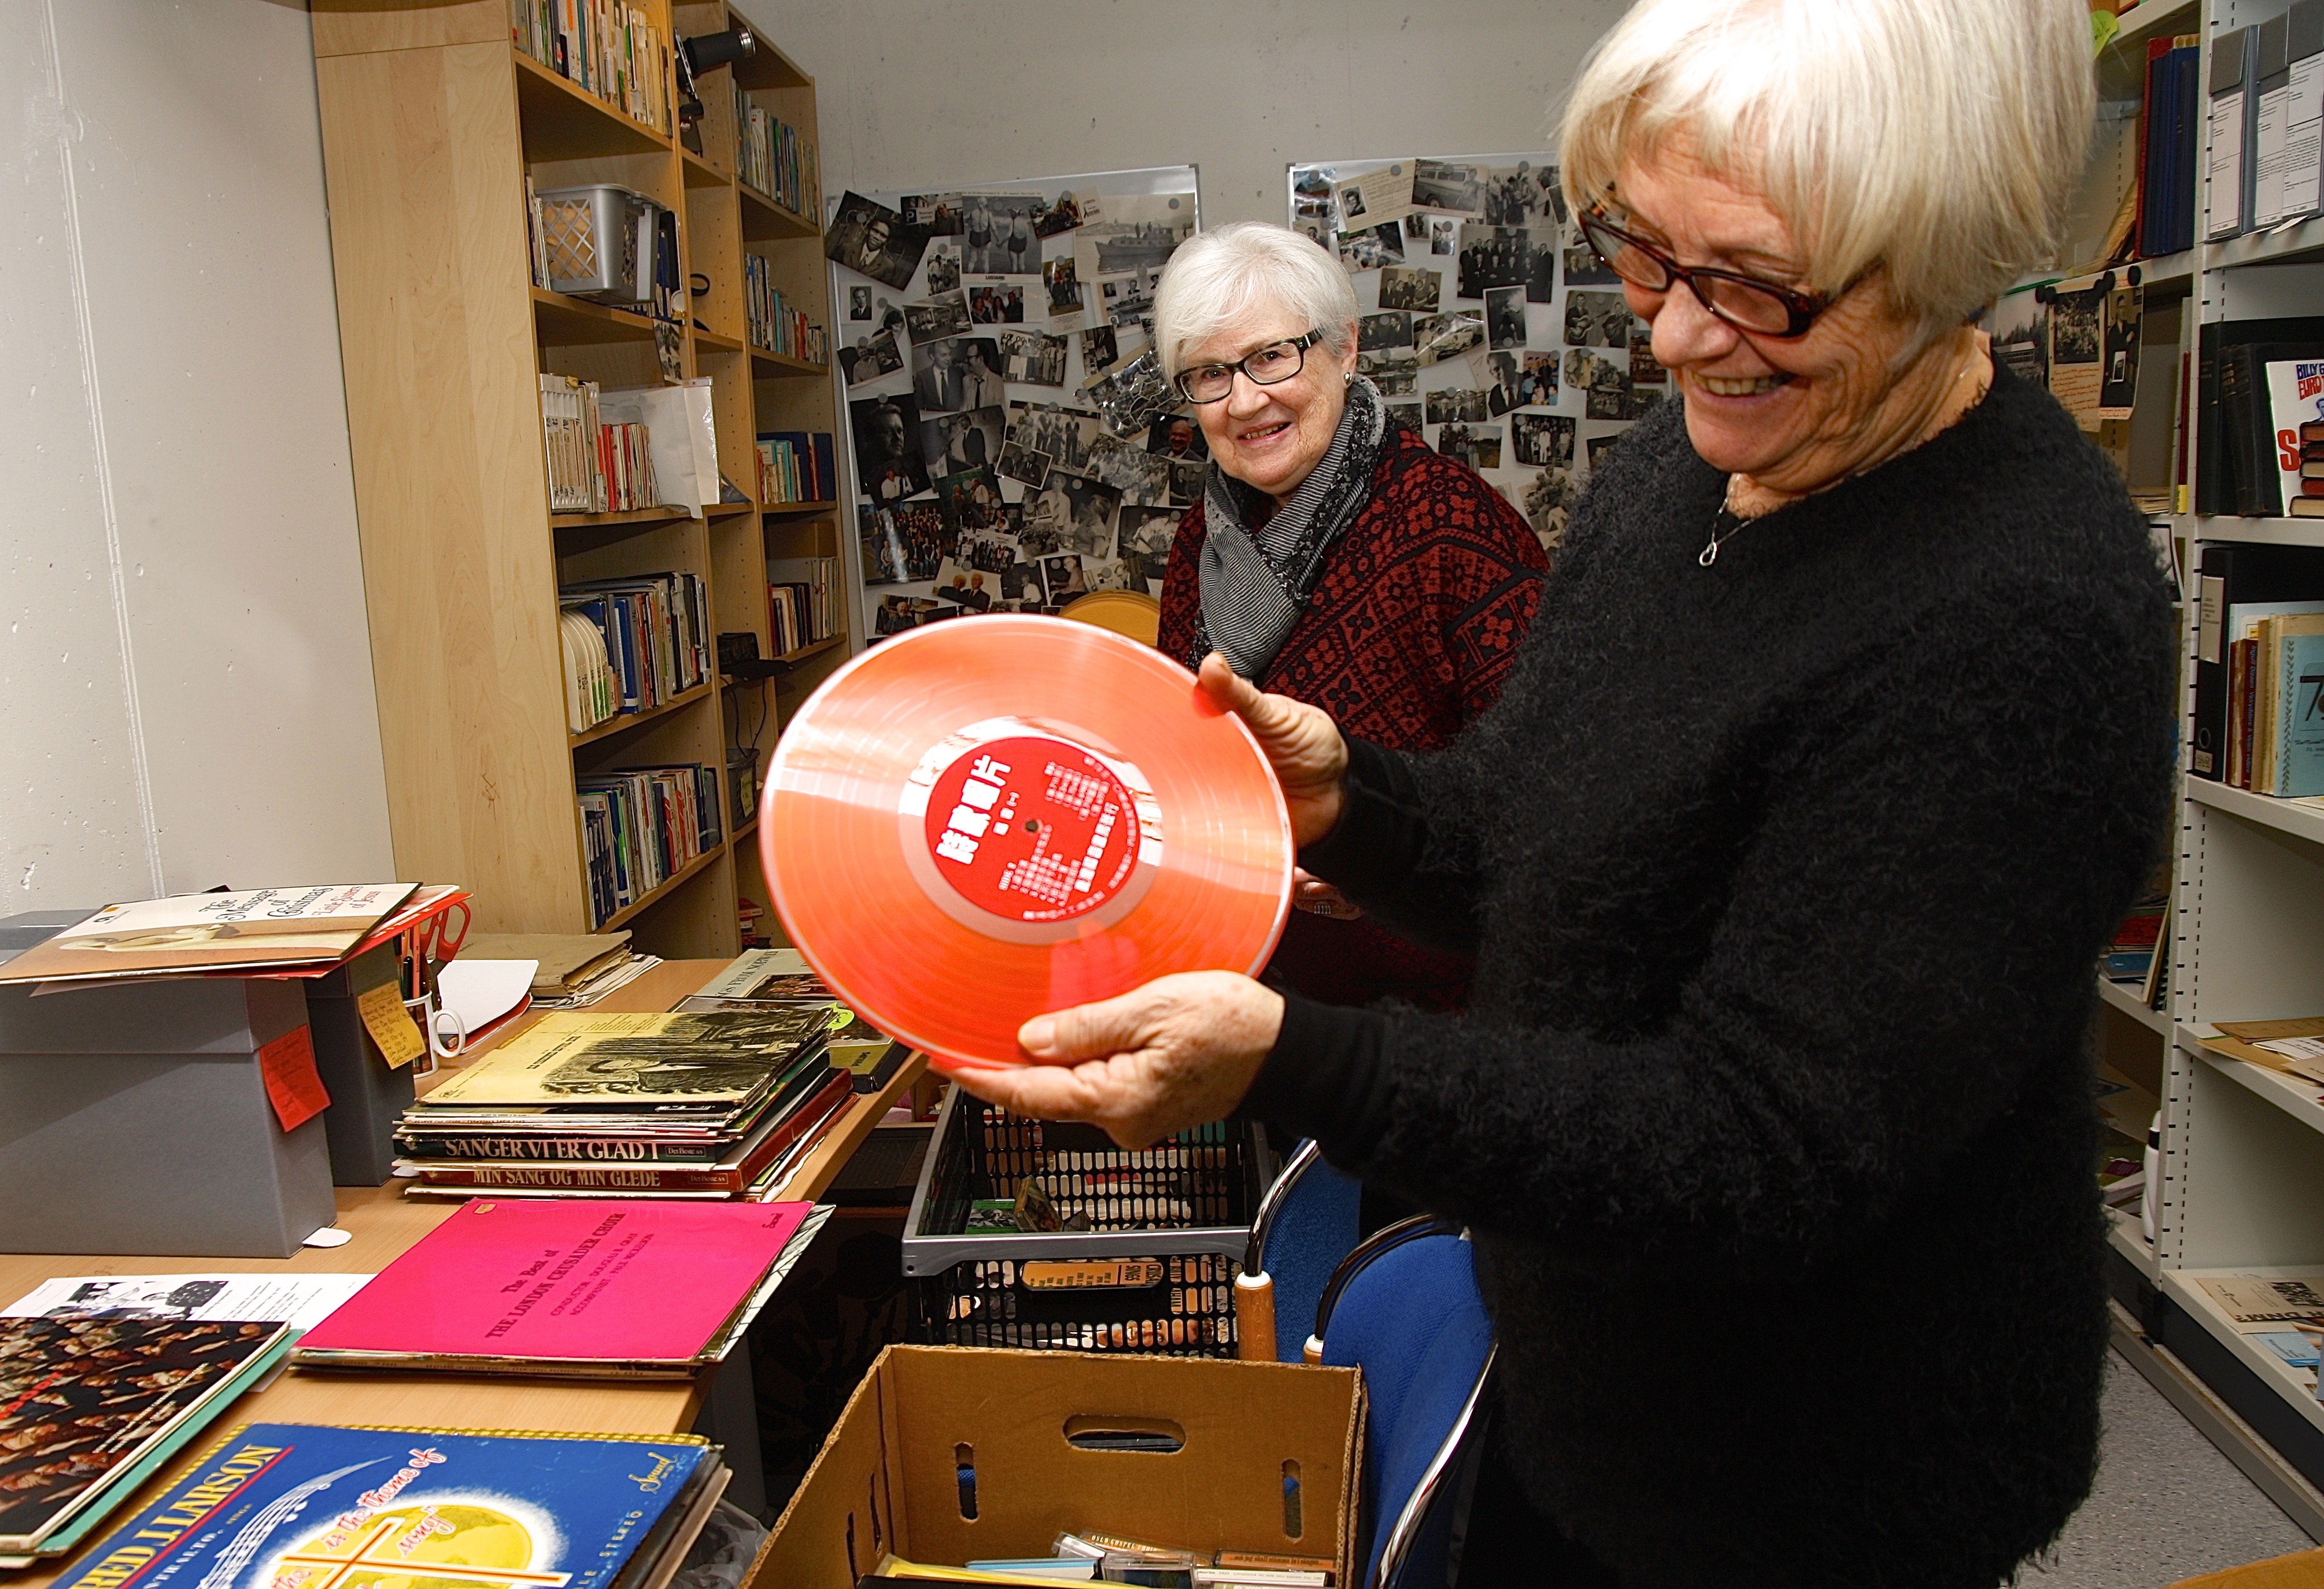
(1378, 837)
(1327, 1078)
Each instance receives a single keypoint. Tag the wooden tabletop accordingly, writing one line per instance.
(384, 1222)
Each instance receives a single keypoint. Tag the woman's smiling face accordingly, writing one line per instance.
(1271, 437)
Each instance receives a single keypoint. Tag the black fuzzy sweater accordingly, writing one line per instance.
(1771, 1120)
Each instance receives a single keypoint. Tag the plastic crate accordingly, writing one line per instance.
(1154, 1274)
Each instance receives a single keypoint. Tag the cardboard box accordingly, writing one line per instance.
(138, 1123)
(889, 1477)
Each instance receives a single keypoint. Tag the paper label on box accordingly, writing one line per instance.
(2225, 169)
(294, 1085)
(1084, 1276)
(391, 1024)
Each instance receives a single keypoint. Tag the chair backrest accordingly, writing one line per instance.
(1404, 1308)
(1306, 1225)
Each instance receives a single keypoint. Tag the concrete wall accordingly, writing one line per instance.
(935, 94)
(185, 673)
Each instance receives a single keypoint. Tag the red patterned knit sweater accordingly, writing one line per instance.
(1405, 640)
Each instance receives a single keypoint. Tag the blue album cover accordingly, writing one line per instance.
(309, 1506)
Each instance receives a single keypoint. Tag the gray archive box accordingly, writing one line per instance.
(135, 1121)
(367, 1097)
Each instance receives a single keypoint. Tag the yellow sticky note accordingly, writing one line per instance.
(391, 1024)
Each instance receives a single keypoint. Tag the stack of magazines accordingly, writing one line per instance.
(717, 1104)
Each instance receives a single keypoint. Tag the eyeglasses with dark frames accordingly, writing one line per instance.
(1266, 366)
(1745, 302)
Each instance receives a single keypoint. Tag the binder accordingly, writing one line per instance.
(2228, 176)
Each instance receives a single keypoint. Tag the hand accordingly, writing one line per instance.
(1311, 892)
(1180, 1052)
(1301, 742)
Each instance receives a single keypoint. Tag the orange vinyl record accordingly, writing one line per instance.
(978, 821)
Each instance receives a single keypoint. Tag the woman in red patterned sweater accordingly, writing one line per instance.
(1334, 558)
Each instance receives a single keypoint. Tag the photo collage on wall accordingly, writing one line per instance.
(1486, 322)
(1015, 446)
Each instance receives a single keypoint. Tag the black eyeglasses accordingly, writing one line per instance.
(1266, 366)
(1744, 302)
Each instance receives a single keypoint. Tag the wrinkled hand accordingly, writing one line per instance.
(1301, 742)
(1311, 893)
(1180, 1052)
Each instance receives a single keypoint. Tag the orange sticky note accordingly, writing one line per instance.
(294, 1085)
(391, 1025)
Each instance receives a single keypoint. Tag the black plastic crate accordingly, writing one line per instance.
(1154, 1272)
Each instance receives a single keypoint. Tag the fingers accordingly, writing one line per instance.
(1040, 1092)
(1086, 1032)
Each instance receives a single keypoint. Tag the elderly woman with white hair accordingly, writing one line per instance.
(1842, 738)
(1333, 558)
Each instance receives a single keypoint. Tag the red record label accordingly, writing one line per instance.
(1031, 828)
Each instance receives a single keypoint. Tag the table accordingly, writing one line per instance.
(384, 1222)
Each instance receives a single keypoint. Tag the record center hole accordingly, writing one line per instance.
(1031, 825)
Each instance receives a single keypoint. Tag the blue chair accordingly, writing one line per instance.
(1307, 1221)
(1404, 1308)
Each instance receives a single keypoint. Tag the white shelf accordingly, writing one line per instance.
(2287, 243)
(2179, 1285)
(2126, 1236)
(2299, 820)
(2140, 21)
(2301, 1099)
(2269, 532)
(2124, 998)
(2166, 269)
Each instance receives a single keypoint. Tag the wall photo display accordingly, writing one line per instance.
(1012, 443)
(1486, 321)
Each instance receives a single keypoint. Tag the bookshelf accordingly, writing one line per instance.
(2241, 1183)
(432, 121)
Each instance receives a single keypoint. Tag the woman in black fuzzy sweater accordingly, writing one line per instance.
(1840, 741)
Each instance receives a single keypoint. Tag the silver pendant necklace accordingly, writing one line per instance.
(1724, 525)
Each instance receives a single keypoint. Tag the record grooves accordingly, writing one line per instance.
(978, 821)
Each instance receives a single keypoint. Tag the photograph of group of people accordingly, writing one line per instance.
(1015, 446)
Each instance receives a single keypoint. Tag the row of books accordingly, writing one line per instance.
(2267, 103)
(641, 827)
(606, 47)
(796, 467)
(2169, 134)
(802, 601)
(593, 467)
(655, 634)
(774, 325)
(2259, 669)
(2257, 382)
(772, 157)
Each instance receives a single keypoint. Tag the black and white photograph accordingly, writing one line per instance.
(1064, 287)
(1061, 214)
(1134, 396)
(954, 442)
(1494, 257)
(1645, 369)
(1597, 319)
(1454, 404)
(1541, 441)
(1093, 508)
(1395, 371)
(873, 240)
(971, 500)
(2119, 388)
(2074, 326)
(1178, 436)
(1604, 382)
(1144, 536)
(944, 268)
(1437, 338)
(1507, 391)
(869, 358)
(1505, 317)
(1133, 233)
(1445, 236)
(972, 589)
(858, 303)
(958, 373)
(1100, 349)
(1477, 445)
(1064, 434)
(887, 448)
(882, 547)
(996, 235)
(2020, 327)
(934, 321)
(1411, 287)
(1142, 478)
(1387, 328)
(1583, 268)
(1024, 465)
(1020, 582)
(1415, 230)
(1440, 185)
(1596, 448)
(1033, 358)
(1186, 476)
(1538, 381)
(1062, 578)
(1519, 195)
(912, 538)
(1547, 504)
(997, 306)
(1373, 249)
(987, 551)
(1110, 574)
(1406, 414)
(1129, 301)
(939, 212)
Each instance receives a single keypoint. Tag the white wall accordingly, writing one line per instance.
(935, 94)
(185, 674)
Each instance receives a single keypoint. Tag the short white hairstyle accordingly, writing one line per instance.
(1215, 278)
(1941, 142)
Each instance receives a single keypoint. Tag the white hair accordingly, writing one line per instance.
(1215, 278)
(1941, 142)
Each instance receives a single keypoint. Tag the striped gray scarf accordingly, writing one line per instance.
(1255, 583)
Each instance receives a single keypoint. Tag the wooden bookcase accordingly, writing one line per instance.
(432, 119)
